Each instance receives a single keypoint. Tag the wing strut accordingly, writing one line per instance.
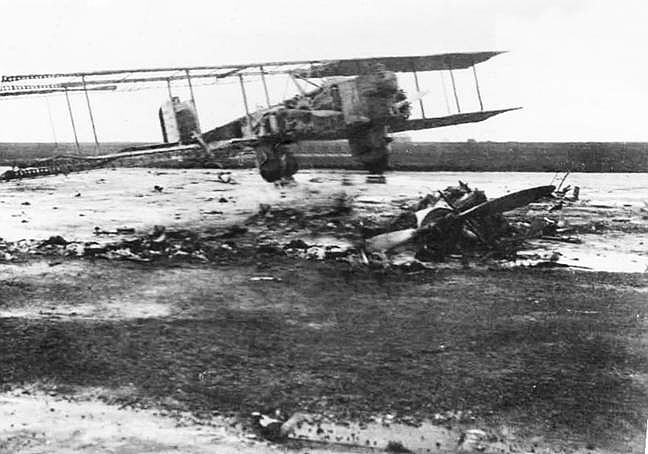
(94, 130)
(245, 102)
(191, 92)
(193, 98)
(308, 81)
(51, 120)
(418, 90)
(168, 81)
(76, 139)
(265, 86)
(454, 89)
(445, 92)
(299, 87)
(481, 104)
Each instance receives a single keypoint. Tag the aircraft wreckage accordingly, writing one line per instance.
(456, 219)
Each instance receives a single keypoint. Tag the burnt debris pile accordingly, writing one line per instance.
(158, 245)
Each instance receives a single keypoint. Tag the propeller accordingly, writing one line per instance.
(323, 113)
(412, 99)
(337, 79)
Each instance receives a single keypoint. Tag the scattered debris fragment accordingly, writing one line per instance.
(376, 179)
(54, 241)
(226, 177)
(118, 231)
(396, 447)
(472, 440)
(233, 231)
(276, 428)
(296, 244)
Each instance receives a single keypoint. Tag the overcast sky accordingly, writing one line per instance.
(579, 68)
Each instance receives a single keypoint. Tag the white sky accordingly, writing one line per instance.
(578, 67)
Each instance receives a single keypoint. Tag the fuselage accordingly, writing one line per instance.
(358, 109)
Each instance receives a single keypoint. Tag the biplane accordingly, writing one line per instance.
(358, 100)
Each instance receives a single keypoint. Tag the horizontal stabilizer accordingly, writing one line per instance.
(449, 120)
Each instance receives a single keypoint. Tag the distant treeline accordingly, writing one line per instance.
(439, 156)
(492, 156)
(16, 152)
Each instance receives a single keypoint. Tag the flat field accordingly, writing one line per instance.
(539, 360)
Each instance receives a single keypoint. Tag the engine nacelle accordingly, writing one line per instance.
(179, 121)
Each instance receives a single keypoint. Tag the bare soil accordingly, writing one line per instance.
(540, 360)
(558, 355)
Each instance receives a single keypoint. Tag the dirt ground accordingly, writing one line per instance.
(156, 352)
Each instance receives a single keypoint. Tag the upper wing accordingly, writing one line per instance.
(437, 62)
(37, 84)
(30, 84)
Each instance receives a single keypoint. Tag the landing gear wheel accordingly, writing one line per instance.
(276, 163)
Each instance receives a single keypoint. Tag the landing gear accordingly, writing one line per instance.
(276, 163)
(376, 168)
(370, 146)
